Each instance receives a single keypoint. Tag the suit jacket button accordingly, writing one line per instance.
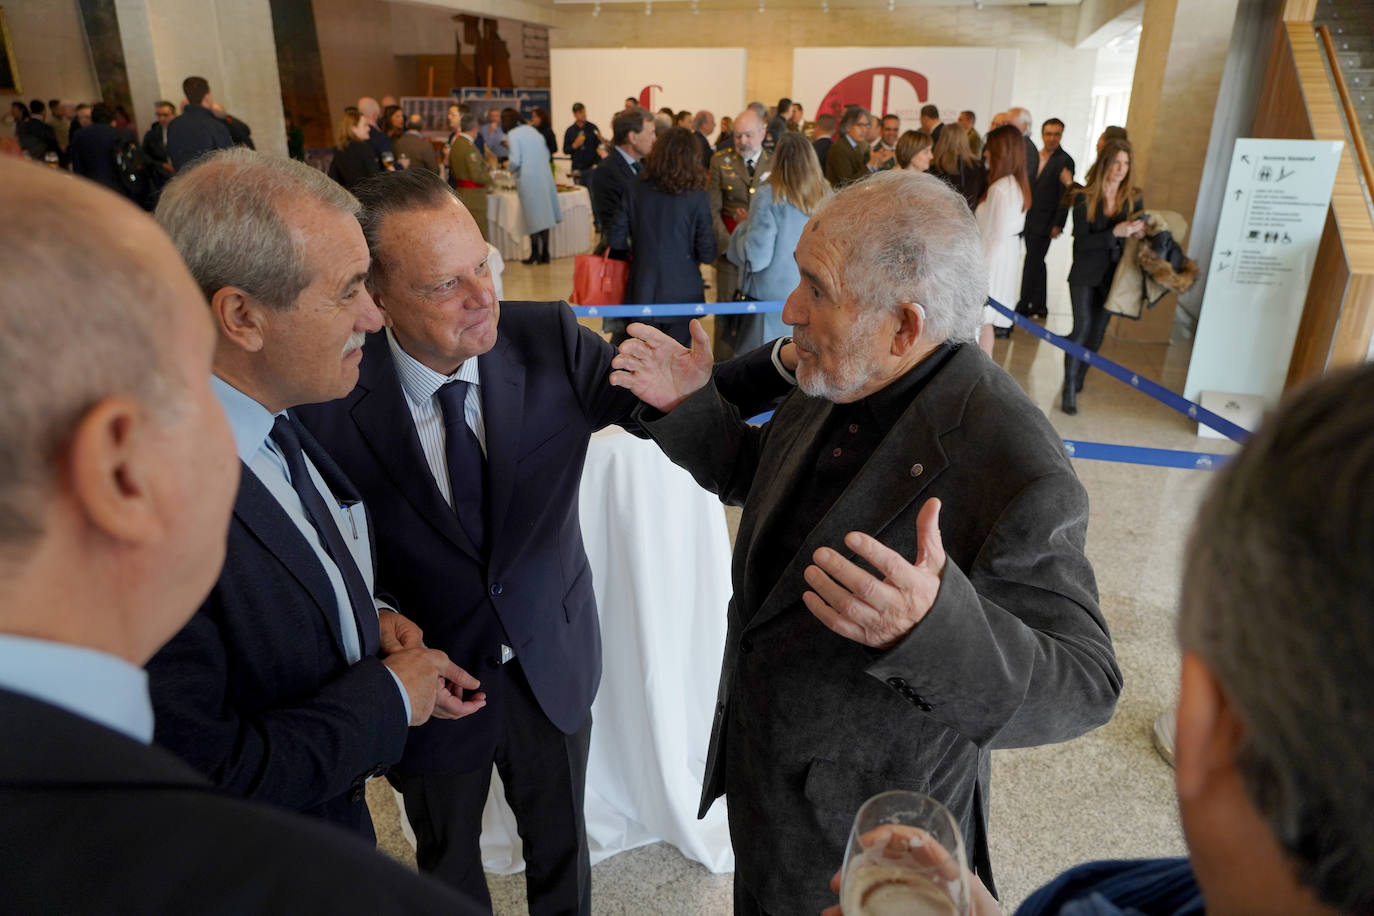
(720, 710)
(746, 645)
(497, 589)
(896, 682)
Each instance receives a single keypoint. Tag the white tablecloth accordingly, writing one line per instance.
(660, 556)
(506, 225)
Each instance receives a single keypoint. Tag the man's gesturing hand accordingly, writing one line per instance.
(660, 371)
(434, 685)
(857, 605)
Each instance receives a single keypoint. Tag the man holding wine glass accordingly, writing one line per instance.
(909, 453)
(1278, 652)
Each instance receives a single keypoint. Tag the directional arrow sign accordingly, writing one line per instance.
(1226, 254)
(1239, 192)
(1223, 266)
(1245, 159)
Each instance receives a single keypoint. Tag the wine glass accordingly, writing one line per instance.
(905, 858)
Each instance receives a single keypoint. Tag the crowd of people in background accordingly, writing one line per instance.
(1021, 193)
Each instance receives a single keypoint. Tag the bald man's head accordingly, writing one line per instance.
(79, 319)
(748, 133)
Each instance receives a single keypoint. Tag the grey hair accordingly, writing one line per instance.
(759, 109)
(466, 122)
(701, 118)
(226, 215)
(1022, 118)
(914, 240)
(1276, 601)
(851, 115)
(662, 124)
(82, 319)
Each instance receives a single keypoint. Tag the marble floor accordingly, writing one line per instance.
(1105, 795)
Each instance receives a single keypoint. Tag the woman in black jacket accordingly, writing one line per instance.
(539, 120)
(1102, 221)
(354, 158)
(667, 219)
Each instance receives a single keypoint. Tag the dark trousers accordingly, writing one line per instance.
(1034, 291)
(745, 903)
(545, 776)
(1090, 321)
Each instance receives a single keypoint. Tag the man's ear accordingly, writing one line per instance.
(378, 301)
(111, 465)
(239, 318)
(1208, 731)
(911, 324)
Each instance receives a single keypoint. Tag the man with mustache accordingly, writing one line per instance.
(291, 684)
(910, 586)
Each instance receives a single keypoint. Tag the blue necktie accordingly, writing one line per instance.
(325, 522)
(466, 465)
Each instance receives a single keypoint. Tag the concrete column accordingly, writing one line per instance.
(229, 42)
(1183, 48)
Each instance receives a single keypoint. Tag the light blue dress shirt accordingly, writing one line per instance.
(102, 688)
(494, 139)
(252, 424)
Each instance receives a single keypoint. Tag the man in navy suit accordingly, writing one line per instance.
(632, 137)
(119, 480)
(291, 684)
(468, 445)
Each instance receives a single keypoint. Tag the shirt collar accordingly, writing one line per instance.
(852, 142)
(630, 160)
(888, 404)
(250, 421)
(94, 685)
(418, 381)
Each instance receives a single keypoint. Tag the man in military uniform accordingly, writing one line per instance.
(735, 175)
(469, 170)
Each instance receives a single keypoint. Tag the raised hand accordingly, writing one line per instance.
(878, 613)
(660, 371)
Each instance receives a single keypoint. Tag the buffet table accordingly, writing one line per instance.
(662, 599)
(506, 225)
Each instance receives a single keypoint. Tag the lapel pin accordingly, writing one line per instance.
(916, 470)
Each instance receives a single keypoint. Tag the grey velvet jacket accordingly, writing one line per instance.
(1013, 653)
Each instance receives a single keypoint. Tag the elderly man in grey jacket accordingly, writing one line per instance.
(910, 586)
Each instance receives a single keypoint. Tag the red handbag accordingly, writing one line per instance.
(599, 280)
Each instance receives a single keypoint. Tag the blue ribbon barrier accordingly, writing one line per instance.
(677, 309)
(1095, 451)
(1117, 371)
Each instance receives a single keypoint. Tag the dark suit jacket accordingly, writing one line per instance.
(544, 392)
(354, 162)
(822, 145)
(1096, 249)
(845, 163)
(1013, 653)
(669, 235)
(95, 822)
(1032, 160)
(707, 150)
(93, 153)
(255, 691)
(1047, 194)
(613, 179)
(156, 150)
(195, 132)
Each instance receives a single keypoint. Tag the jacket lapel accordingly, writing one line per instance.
(383, 418)
(267, 521)
(905, 463)
(503, 395)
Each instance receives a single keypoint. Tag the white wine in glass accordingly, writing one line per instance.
(905, 858)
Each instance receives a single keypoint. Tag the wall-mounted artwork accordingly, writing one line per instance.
(9, 67)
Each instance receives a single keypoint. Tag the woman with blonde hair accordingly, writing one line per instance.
(953, 160)
(1103, 218)
(354, 158)
(914, 151)
(763, 244)
(1001, 216)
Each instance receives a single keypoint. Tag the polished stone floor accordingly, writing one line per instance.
(1105, 795)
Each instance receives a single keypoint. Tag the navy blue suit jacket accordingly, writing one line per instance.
(255, 691)
(670, 235)
(195, 132)
(613, 180)
(544, 392)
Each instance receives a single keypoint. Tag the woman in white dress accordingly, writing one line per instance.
(1001, 216)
